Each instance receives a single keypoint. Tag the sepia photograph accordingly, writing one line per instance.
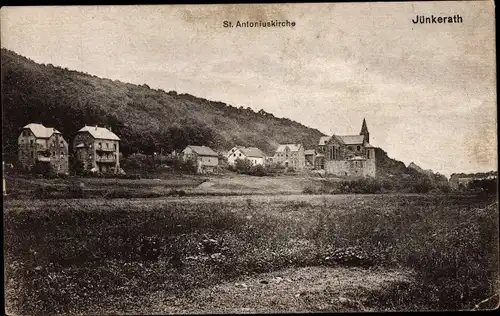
(249, 158)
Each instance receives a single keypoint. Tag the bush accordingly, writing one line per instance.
(257, 170)
(44, 169)
(243, 166)
(361, 186)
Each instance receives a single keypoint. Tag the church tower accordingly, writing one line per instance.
(364, 131)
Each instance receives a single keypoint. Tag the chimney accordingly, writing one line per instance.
(96, 127)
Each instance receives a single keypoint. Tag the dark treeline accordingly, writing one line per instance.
(147, 120)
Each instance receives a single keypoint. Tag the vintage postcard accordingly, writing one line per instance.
(249, 158)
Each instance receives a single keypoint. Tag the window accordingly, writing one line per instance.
(368, 154)
(107, 145)
(359, 148)
(31, 142)
(234, 155)
(349, 147)
(100, 145)
(239, 155)
(54, 153)
(62, 155)
(114, 146)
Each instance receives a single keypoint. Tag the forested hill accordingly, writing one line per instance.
(145, 119)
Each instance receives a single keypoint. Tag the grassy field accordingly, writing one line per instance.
(158, 255)
(233, 184)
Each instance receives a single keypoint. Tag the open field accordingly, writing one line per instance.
(276, 253)
(232, 184)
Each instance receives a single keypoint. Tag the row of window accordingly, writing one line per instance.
(357, 164)
(53, 154)
(293, 154)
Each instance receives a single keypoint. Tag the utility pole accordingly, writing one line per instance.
(4, 188)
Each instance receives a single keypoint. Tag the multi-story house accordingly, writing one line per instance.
(253, 154)
(206, 159)
(44, 145)
(98, 149)
(290, 156)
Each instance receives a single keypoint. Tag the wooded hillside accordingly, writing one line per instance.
(146, 119)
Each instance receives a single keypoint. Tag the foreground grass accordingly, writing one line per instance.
(92, 256)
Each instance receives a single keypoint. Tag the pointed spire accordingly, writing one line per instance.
(364, 131)
(364, 128)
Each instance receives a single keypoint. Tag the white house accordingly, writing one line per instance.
(206, 159)
(253, 154)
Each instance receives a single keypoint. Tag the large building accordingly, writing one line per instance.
(348, 155)
(290, 156)
(43, 145)
(98, 149)
(253, 154)
(206, 159)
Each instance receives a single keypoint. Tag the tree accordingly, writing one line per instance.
(76, 166)
(243, 165)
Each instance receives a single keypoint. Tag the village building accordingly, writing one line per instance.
(253, 154)
(205, 158)
(463, 180)
(98, 149)
(310, 158)
(43, 145)
(347, 155)
(290, 156)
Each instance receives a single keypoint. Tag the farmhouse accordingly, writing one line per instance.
(98, 149)
(253, 154)
(290, 156)
(206, 159)
(43, 145)
(348, 155)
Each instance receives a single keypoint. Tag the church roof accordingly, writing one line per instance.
(352, 139)
(324, 139)
(99, 132)
(41, 131)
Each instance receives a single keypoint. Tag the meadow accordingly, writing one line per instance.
(189, 254)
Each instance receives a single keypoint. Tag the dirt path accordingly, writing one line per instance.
(309, 289)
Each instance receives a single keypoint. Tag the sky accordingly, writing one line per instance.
(427, 91)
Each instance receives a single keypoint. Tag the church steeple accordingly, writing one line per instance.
(364, 131)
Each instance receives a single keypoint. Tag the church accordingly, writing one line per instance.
(347, 155)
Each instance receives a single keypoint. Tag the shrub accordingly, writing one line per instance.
(257, 170)
(362, 186)
(243, 166)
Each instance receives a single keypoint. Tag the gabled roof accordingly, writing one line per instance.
(352, 139)
(203, 151)
(41, 131)
(99, 132)
(292, 147)
(252, 152)
(323, 140)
